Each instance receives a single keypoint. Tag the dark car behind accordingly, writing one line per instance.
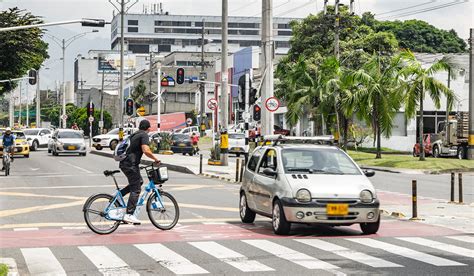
(181, 143)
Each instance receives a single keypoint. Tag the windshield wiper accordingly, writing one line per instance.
(311, 171)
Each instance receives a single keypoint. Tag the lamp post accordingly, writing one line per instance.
(64, 43)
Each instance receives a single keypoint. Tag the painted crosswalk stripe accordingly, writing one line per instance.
(292, 255)
(230, 257)
(348, 253)
(26, 229)
(405, 252)
(106, 261)
(441, 246)
(170, 259)
(41, 261)
(469, 239)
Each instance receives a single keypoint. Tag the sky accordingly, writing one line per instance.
(444, 14)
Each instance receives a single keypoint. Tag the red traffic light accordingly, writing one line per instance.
(180, 76)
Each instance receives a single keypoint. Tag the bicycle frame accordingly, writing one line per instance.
(141, 201)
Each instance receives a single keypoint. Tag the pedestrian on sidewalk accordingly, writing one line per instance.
(195, 141)
(139, 145)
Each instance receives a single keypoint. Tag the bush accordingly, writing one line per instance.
(3, 269)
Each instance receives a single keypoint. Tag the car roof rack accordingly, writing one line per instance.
(280, 139)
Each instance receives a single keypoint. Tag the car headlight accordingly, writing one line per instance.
(24, 143)
(366, 196)
(303, 195)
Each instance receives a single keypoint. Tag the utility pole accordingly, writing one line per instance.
(267, 120)
(150, 82)
(470, 152)
(202, 87)
(19, 114)
(247, 115)
(336, 54)
(27, 109)
(38, 99)
(158, 99)
(447, 107)
(224, 75)
(82, 92)
(64, 83)
(101, 122)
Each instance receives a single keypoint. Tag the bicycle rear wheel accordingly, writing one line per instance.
(94, 214)
(163, 216)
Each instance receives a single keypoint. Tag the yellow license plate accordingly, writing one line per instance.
(182, 145)
(337, 209)
(71, 147)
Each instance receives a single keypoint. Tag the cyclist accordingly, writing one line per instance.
(8, 143)
(139, 145)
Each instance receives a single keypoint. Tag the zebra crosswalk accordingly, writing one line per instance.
(299, 256)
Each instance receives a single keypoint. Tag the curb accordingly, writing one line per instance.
(171, 167)
(379, 169)
(218, 177)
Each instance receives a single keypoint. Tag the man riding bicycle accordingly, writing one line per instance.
(8, 142)
(139, 145)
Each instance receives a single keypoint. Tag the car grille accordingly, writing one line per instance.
(336, 201)
(324, 216)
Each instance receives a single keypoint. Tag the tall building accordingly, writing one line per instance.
(174, 33)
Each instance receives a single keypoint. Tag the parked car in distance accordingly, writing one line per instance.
(37, 137)
(279, 130)
(237, 143)
(67, 141)
(427, 139)
(189, 131)
(21, 145)
(110, 139)
(181, 143)
(293, 182)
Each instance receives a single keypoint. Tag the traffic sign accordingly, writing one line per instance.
(141, 111)
(212, 104)
(245, 115)
(272, 104)
(189, 121)
(91, 119)
(64, 117)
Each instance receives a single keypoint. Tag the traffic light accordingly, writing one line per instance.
(33, 77)
(257, 112)
(90, 109)
(129, 107)
(252, 96)
(180, 76)
(87, 22)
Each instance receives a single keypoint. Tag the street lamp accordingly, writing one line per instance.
(64, 43)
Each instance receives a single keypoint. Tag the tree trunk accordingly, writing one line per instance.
(377, 130)
(422, 148)
(346, 130)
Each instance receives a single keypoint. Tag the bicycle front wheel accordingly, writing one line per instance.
(94, 214)
(162, 210)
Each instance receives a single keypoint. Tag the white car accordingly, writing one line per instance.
(237, 143)
(67, 141)
(299, 182)
(189, 131)
(37, 137)
(110, 139)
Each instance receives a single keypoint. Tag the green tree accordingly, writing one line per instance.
(139, 93)
(79, 116)
(421, 80)
(20, 50)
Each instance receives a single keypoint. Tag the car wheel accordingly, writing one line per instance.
(246, 215)
(83, 154)
(237, 154)
(191, 153)
(49, 151)
(279, 223)
(26, 156)
(34, 145)
(435, 151)
(371, 227)
(55, 153)
(113, 144)
(99, 147)
(461, 153)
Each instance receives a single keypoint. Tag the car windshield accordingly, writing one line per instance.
(31, 131)
(236, 136)
(19, 135)
(318, 161)
(180, 137)
(113, 131)
(69, 135)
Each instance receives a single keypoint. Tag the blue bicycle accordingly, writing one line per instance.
(103, 213)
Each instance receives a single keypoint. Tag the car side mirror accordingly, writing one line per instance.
(270, 172)
(369, 173)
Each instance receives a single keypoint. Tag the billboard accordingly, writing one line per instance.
(169, 121)
(111, 62)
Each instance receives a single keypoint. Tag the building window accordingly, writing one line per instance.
(133, 22)
(214, 31)
(282, 44)
(213, 24)
(283, 26)
(249, 43)
(287, 33)
(133, 29)
(232, 32)
(198, 24)
(248, 32)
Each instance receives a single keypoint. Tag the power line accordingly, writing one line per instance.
(406, 8)
(454, 3)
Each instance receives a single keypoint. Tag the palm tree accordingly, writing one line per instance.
(378, 95)
(138, 94)
(421, 80)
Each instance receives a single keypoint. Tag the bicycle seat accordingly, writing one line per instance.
(109, 173)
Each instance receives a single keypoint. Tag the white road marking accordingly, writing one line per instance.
(348, 253)
(74, 227)
(74, 166)
(41, 261)
(170, 259)
(12, 267)
(464, 238)
(441, 246)
(293, 256)
(26, 229)
(106, 261)
(405, 252)
(230, 257)
(215, 223)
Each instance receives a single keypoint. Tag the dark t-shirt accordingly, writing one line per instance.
(135, 152)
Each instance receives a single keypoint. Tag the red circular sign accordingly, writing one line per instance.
(212, 104)
(272, 104)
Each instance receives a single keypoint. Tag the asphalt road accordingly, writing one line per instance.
(42, 231)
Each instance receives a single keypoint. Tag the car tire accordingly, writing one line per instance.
(26, 156)
(113, 144)
(82, 154)
(246, 215)
(279, 223)
(435, 151)
(34, 145)
(49, 151)
(55, 153)
(461, 153)
(98, 147)
(370, 228)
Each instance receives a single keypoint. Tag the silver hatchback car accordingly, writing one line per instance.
(295, 181)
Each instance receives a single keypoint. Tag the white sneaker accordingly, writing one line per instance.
(131, 219)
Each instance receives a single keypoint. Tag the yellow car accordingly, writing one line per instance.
(21, 145)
